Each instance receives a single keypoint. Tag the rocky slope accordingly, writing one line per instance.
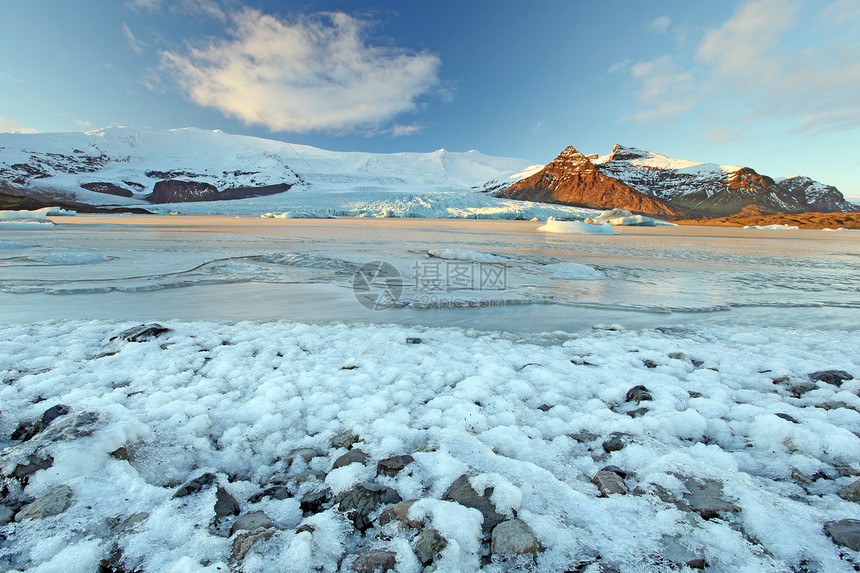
(573, 179)
(710, 190)
(129, 166)
(637, 180)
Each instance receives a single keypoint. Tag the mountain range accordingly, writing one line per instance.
(646, 182)
(138, 167)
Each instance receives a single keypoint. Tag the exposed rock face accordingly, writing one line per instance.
(572, 179)
(709, 190)
(179, 191)
(107, 188)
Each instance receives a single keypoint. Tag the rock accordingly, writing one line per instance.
(390, 466)
(120, 454)
(544, 407)
(244, 542)
(400, 512)
(462, 492)
(375, 561)
(355, 456)
(305, 527)
(428, 545)
(638, 394)
(705, 497)
(616, 441)
(129, 522)
(802, 388)
(195, 485)
(845, 532)
(609, 483)
(314, 502)
(251, 521)
(363, 499)
(274, 492)
(514, 537)
(304, 454)
(25, 432)
(649, 363)
(786, 417)
(835, 377)
(7, 515)
(413, 340)
(294, 481)
(677, 356)
(345, 439)
(638, 412)
(141, 333)
(615, 469)
(225, 504)
(52, 503)
(846, 471)
(851, 492)
(107, 188)
(34, 463)
(572, 179)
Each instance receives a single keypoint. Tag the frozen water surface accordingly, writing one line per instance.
(473, 273)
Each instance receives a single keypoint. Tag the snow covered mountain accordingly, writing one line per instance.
(711, 190)
(128, 166)
(642, 181)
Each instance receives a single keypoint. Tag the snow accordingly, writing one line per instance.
(575, 228)
(525, 415)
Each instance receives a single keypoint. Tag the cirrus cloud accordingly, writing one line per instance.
(317, 73)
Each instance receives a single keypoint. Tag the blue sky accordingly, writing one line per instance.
(771, 84)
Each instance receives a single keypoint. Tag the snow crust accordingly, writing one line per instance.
(525, 415)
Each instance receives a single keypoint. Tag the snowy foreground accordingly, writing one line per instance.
(729, 455)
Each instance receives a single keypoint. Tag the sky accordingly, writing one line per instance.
(769, 84)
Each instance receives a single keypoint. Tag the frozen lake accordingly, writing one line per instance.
(483, 274)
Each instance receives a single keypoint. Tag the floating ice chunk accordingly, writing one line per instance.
(624, 217)
(773, 227)
(24, 224)
(465, 255)
(573, 271)
(575, 228)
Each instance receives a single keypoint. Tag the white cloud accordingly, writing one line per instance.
(9, 126)
(83, 123)
(765, 60)
(659, 25)
(210, 8)
(316, 73)
(401, 130)
(135, 44)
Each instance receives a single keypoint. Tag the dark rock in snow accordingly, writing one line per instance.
(638, 394)
(375, 561)
(512, 538)
(835, 377)
(802, 388)
(428, 545)
(275, 492)
(127, 524)
(649, 363)
(616, 470)
(609, 483)
(107, 188)
(851, 492)
(26, 431)
(705, 497)
(351, 457)
(400, 512)
(244, 542)
(616, 442)
(845, 532)
(638, 412)
(120, 454)
(413, 340)
(462, 492)
(786, 417)
(361, 500)
(141, 333)
(195, 485)
(225, 504)
(390, 466)
(251, 521)
(314, 502)
(52, 503)
(345, 439)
